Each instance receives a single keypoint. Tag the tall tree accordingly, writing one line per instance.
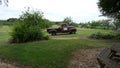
(68, 20)
(110, 8)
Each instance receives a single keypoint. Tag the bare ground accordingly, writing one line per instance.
(7, 65)
(85, 58)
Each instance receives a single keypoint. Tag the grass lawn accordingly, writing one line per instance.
(51, 53)
(4, 33)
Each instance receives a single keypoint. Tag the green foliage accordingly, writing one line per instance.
(48, 54)
(51, 53)
(29, 27)
(116, 24)
(84, 25)
(99, 35)
(48, 23)
(110, 8)
(117, 36)
(67, 20)
(100, 24)
(9, 22)
(12, 19)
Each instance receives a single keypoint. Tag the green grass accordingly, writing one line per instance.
(4, 33)
(82, 32)
(51, 53)
(48, 54)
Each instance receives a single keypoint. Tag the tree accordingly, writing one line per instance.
(68, 20)
(116, 24)
(12, 19)
(4, 1)
(94, 24)
(105, 24)
(110, 8)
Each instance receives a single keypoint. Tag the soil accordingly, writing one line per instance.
(7, 65)
(85, 58)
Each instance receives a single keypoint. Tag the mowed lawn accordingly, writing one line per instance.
(51, 53)
(5, 33)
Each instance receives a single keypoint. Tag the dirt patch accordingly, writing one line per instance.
(4, 63)
(85, 58)
(7, 65)
(4, 43)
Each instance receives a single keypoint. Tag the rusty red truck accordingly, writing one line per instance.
(64, 28)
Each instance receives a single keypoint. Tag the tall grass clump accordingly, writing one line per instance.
(29, 27)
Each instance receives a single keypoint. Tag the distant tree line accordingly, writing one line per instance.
(101, 24)
(12, 21)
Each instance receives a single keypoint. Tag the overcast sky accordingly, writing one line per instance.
(55, 10)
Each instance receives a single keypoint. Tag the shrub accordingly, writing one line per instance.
(99, 35)
(108, 36)
(29, 27)
(117, 36)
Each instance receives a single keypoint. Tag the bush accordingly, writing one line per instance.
(117, 36)
(29, 28)
(96, 35)
(108, 36)
(100, 35)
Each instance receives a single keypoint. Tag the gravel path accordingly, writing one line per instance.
(85, 59)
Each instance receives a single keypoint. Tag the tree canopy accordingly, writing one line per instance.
(4, 1)
(68, 20)
(110, 8)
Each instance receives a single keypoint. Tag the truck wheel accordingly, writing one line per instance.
(53, 33)
(72, 32)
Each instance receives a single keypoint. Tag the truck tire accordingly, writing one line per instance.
(72, 32)
(53, 33)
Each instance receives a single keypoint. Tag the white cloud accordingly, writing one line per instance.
(56, 10)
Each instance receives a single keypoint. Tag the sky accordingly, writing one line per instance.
(54, 10)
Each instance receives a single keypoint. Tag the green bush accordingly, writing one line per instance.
(117, 36)
(99, 35)
(108, 36)
(29, 28)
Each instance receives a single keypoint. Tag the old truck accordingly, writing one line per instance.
(64, 28)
